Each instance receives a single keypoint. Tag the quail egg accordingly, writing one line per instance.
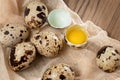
(59, 71)
(10, 34)
(35, 14)
(47, 43)
(21, 56)
(108, 59)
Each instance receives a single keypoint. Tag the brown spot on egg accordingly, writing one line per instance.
(40, 42)
(39, 24)
(116, 59)
(20, 35)
(59, 46)
(42, 16)
(49, 73)
(37, 37)
(7, 25)
(21, 31)
(62, 77)
(20, 67)
(30, 63)
(116, 51)
(48, 79)
(100, 67)
(55, 40)
(108, 58)
(108, 71)
(45, 37)
(27, 10)
(29, 52)
(55, 67)
(47, 44)
(11, 35)
(113, 54)
(43, 7)
(12, 57)
(55, 43)
(6, 32)
(39, 8)
(12, 27)
(71, 69)
(21, 39)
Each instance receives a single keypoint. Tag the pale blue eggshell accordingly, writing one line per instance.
(59, 18)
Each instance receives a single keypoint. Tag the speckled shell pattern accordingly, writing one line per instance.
(59, 71)
(21, 56)
(35, 14)
(108, 59)
(11, 34)
(47, 43)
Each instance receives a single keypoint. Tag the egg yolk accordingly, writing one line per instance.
(77, 36)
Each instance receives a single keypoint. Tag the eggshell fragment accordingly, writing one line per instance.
(59, 18)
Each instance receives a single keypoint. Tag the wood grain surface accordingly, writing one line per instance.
(104, 13)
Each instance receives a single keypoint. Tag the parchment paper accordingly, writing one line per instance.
(81, 60)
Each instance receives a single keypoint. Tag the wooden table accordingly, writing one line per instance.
(104, 13)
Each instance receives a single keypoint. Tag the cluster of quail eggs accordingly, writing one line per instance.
(24, 45)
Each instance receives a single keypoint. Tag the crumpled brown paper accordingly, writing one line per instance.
(81, 60)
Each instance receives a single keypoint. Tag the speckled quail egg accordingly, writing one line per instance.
(35, 14)
(108, 59)
(21, 56)
(59, 71)
(10, 34)
(47, 43)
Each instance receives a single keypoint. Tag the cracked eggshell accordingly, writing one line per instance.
(10, 34)
(59, 71)
(35, 14)
(59, 18)
(108, 59)
(21, 56)
(47, 43)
